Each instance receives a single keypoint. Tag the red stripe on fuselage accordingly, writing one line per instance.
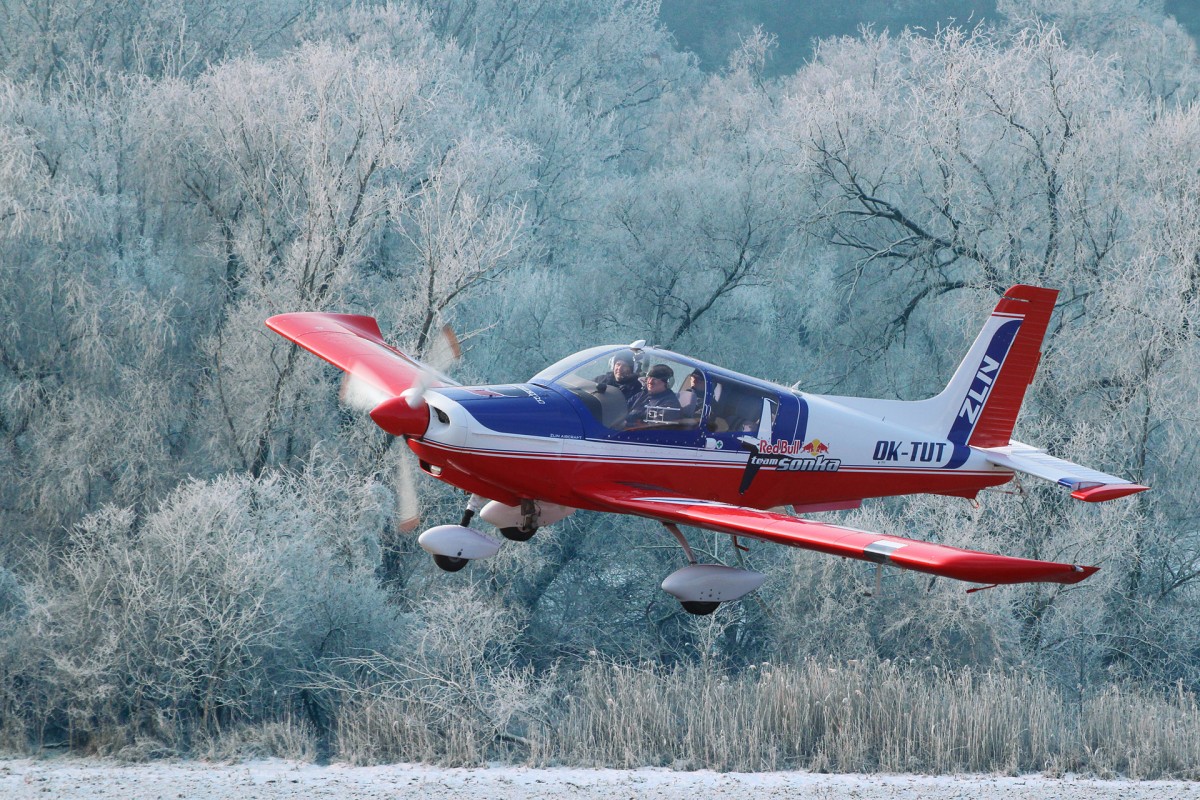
(552, 477)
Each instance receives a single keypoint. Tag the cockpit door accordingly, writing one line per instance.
(741, 413)
(765, 421)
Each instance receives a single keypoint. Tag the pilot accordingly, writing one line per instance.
(623, 375)
(691, 396)
(657, 394)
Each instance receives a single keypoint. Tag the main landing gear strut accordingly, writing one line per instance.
(701, 588)
(452, 546)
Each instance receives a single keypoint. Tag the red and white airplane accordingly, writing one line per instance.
(726, 452)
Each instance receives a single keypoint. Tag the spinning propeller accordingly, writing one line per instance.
(363, 389)
(400, 407)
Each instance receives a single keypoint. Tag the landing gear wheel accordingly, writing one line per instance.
(450, 563)
(518, 534)
(700, 608)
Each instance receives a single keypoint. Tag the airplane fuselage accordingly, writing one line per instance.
(536, 441)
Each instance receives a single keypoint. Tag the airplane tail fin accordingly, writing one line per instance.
(978, 409)
(979, 406)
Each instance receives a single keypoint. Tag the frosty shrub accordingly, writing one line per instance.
(455, 695)
(200, 613)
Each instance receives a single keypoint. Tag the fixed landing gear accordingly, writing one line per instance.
(520, 523)
(527, 518)
(701, 588)
(517, 534)
(452, 546)
(450, 563)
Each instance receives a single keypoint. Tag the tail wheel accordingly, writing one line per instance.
(518, 534)
(701, 608)
(450, 563)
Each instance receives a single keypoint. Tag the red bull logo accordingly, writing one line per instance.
(789, 456)
(793, 447)
(816, 447)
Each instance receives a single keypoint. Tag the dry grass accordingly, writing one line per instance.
(857, 716)
(289, 737)
(455, 720)
(861, 716)
(866, 717)
(387, 727)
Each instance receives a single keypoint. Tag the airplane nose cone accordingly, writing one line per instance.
(398, 418)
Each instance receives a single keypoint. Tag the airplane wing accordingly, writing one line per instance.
(354, 344)
(935, 559)
(1085, 484)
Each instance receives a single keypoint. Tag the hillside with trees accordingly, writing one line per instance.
(202, 552)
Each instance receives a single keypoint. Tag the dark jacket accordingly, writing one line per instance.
(630, 388)
(644, 400)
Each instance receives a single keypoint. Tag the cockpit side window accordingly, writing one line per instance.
(737, 407)
(595, 383)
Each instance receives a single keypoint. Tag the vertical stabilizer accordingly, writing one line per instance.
(980, 404)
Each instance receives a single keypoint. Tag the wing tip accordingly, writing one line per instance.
(1079, 573)
(1107, 491)
(295, 324)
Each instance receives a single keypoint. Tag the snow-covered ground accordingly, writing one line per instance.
(72, 778)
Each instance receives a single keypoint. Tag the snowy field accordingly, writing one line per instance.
(72, 778)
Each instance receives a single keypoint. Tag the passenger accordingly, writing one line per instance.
(747, 413)
(691, 396)
(623, 375)
(734, 411)
(657, 394)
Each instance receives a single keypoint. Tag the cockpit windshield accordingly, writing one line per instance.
(628, 389)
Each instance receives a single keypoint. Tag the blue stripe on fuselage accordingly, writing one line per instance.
(520, 409)
(971, 405)
(801, 418)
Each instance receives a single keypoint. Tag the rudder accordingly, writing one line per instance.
(984, 397)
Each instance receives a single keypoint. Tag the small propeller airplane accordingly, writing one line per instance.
(726, 452)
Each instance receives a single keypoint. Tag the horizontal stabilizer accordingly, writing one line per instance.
(1107, 491)
(1085, 484)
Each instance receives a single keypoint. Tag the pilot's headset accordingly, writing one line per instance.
(632, 357)
(664, 373)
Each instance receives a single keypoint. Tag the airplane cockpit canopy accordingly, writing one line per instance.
(671, 391)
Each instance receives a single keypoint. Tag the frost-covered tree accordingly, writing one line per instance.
(1156, 54)
(94, 40)
(192, 523)
(296, 180)
(200, 611)
(692, 241)
(90, 358)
